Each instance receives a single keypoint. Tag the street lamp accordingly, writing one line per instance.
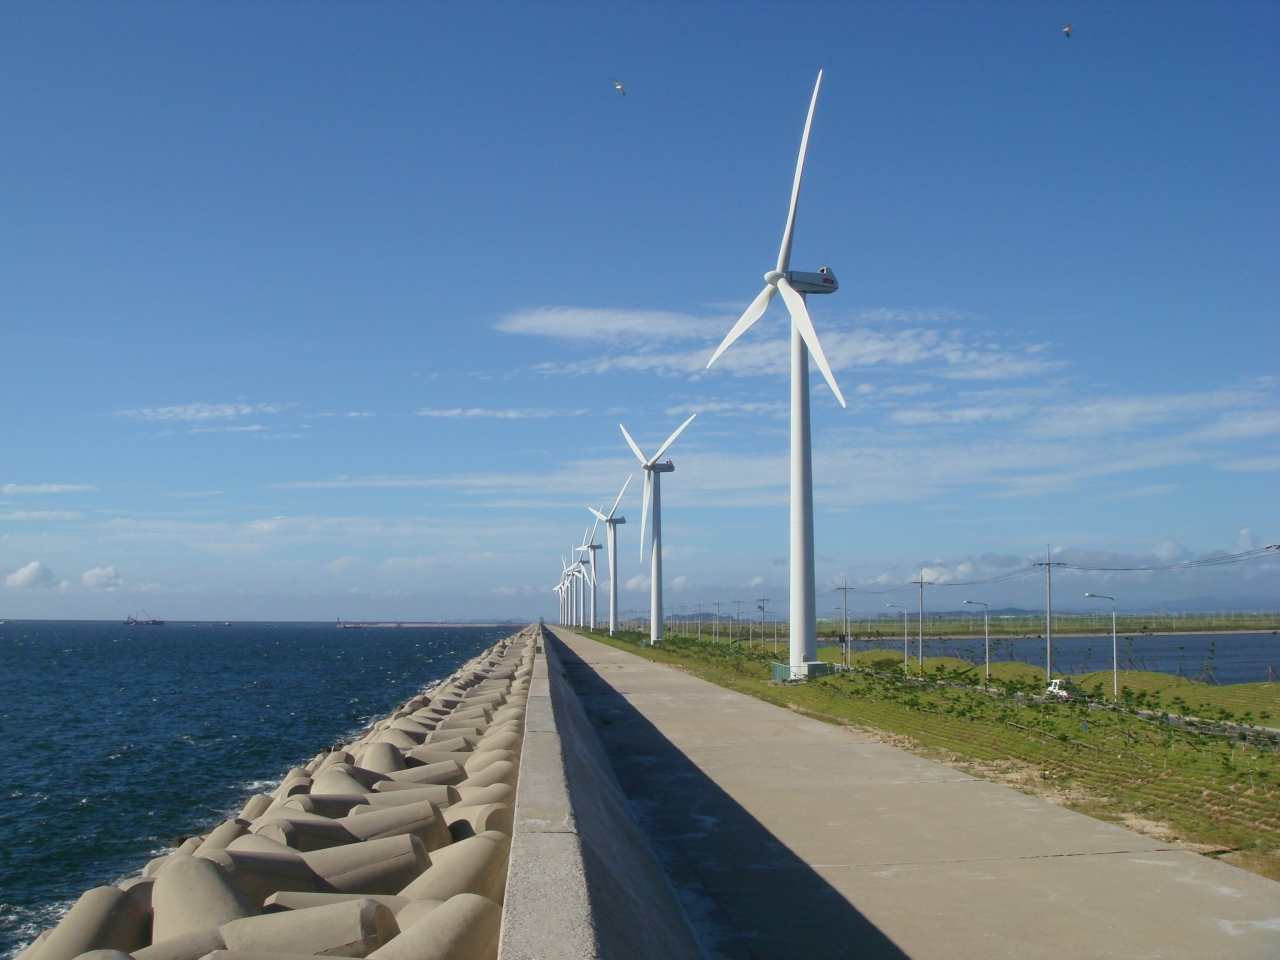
(906, 661)
(1115, 664)
(986, 629)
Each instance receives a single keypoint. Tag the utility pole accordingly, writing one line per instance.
(715, 630)
(697, 612)
(737, 617)
(1048, 615)
(763, 602)
(921, 583)
(845, 616)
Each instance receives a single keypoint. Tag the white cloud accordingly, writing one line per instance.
(612, 326)
(203, 411)
(34, 574)
(360, 413)
(1166, 551)
(479, 412)
(638, 582)
(12, 488)
(680, 584)
(1247, 541)
(757, 582)
(102, 578)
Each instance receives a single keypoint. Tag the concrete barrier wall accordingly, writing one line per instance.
(582, 881)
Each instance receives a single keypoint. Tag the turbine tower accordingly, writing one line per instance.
(804, 342)
(611, 536)
(589, 546)
(653, 471)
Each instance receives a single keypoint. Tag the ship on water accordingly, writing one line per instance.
(145, 621)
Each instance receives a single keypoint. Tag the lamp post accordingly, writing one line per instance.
(986, 630)
(1115, 665)
(906, 668)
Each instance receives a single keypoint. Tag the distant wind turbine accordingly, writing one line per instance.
(804, 342)
(589, 546)
(611, 537)
(653, 471)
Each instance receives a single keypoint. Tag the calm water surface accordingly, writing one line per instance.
(1224, 657)
(119, 739)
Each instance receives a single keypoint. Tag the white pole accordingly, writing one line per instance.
(611, 533)
(986, 631)
(905, 656)
(655, 588)
(1048, 615)
(804, 624)
(1115, 657)
(593, 587)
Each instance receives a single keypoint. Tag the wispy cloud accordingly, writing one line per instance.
(612, 326)
(40, 515)
(12, 488)
(203, 411)
(538, 413)
(676, 344)
(251, 428)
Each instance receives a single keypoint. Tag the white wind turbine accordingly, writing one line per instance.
(611, 536)
(653, 471)
(804, 341)
(589, 546)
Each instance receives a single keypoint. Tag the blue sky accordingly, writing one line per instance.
(318, 310)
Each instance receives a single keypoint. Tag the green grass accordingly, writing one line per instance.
(1115, 764)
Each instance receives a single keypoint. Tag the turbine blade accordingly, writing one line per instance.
(632, 443)
(619, 500)
(752, 314)
(800, 317)
(671, 439)
(784, 254)
(644, 510)
(595, 526)
(599, 515)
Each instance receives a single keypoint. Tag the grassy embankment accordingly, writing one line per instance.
(1212, 792)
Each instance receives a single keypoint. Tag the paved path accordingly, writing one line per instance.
(790, 838)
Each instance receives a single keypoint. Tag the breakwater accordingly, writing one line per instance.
(393, 844)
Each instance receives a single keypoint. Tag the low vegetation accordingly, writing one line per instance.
(1176, 760)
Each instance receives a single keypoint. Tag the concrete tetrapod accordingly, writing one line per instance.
(261, 873)
(500, 771)
(303, 832)
(352, 928)
(373, 866)
(104, 918)
(286, 900)
(423, 820)
(467, 821)
(443, 773)
(223, 834)
(193, 894)
(464, 927)
(186, 946)
(382, 758)
(474, 865)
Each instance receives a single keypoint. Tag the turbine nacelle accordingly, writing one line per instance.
(824, 281)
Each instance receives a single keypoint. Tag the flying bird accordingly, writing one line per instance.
(618, 83)
(1066, 32)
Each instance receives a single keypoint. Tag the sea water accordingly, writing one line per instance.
(119, 739)
(1208, 657)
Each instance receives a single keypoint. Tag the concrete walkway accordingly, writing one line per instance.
(790, 838)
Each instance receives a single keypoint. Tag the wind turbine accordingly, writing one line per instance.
(804, 341)
(611, 535)
(653, 471)
(589, 546)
